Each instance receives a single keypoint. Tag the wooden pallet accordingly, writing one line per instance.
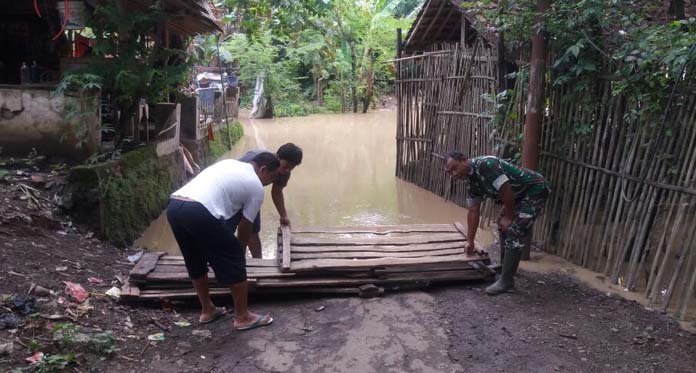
(369, 247)
(330, 260)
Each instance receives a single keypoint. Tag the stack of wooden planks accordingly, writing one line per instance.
(331, 260)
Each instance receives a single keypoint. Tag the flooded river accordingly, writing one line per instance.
(346, 178)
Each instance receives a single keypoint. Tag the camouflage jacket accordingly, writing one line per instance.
(487, 174)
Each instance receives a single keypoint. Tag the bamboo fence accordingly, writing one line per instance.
(624, 191)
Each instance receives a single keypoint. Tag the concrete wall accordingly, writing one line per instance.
(31, 117)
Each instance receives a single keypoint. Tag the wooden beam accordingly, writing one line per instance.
(375, 254)
(463, 25)
(382, 229)
(443, 24)
(146, 264)
(432, 22)
(414, 30)
(250, 262)
(361, 241)
(285, 265)
(309, 265)
(381, 248)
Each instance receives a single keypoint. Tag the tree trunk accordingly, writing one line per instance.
(370, 84)
(535, 98)
(676, 9)
(535, 103)
(126, 112)
(316, 89)
(320, 91)
(353, 78)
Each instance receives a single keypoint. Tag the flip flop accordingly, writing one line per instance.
(258, 323)
(219, 312)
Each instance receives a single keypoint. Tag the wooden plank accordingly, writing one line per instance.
(462, 229)
(183, 277)
(146, 264)
(129, 291)
(271, 263)
(287, 247)
(382, 229)
(381, 248)
(433, 19)
(423, 55)
(468, 274)
(432, 277)
(190, 293)
(320, 285)
(467, 114)
(250, 262)
(375, 254)
(310, 264)
(178, 268)
(359, 241)
(415, 29)
(438, 267)
(178, 293)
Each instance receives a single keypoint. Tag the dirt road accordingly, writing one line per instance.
(551, 324)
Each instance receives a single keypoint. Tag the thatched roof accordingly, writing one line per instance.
(440, 21)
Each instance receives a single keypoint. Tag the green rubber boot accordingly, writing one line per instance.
(506, 281)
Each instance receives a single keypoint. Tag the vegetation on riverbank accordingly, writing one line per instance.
(314, 56)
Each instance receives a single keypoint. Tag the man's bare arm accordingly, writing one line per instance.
(473, 218)
(279, 202)
(244, 232)
(508, 199)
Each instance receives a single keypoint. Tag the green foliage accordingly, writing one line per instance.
(131, 64)
(132, 190)
(592, 40)
(54, 363)
(315, 50)
(78, 112)
(220, 145)
(261, 56)
(293, 109)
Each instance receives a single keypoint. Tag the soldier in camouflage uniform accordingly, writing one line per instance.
(523, 194)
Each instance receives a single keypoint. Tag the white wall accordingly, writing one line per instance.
(32, 117)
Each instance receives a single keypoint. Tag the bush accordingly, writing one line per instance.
(296, 109)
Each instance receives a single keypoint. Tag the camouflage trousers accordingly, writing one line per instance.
(526, 211)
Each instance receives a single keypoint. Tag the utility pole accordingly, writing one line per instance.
(535, 98)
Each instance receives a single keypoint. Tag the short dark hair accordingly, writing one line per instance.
(457, 156)
(268, 160)
(291, 153)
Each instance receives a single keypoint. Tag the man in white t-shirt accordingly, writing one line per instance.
(198, 214)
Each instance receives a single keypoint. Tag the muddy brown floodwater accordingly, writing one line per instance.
(346, 178)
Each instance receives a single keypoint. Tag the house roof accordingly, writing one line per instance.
(188, 17)
(192, 17)
(440, 21)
